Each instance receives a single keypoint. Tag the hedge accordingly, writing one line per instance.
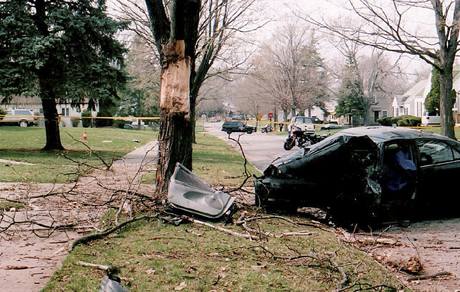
(402, 121)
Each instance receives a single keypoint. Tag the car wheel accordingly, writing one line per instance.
(249, 131)
(229, 132)
(23, 124)
(289, 144)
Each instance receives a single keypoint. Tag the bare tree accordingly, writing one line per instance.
(289, 70)
(220, 24)
(206, 27)
(386, 26)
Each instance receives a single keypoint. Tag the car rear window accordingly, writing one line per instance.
(303, 120)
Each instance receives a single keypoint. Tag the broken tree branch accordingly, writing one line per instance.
(88, 238)
(225, 230)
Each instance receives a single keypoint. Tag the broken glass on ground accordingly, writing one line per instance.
(187, 192)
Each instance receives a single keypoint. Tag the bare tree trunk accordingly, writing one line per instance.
(53, 137)
(193, 118)
(445, 103)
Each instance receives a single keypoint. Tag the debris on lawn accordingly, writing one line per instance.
(189, 193)
(111, 281)
(411, 265)
(111, 285)
(429, 277)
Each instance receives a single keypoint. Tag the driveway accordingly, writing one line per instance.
(436, 243)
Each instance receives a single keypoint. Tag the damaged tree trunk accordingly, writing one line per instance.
(174, 146)
(176, 35)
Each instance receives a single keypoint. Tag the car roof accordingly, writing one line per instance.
(381, 134)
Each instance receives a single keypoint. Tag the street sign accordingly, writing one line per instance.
(270, 116)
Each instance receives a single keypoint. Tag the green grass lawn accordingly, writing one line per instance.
(215, 161)
(154, 256)
(438, 130)
(24, 144)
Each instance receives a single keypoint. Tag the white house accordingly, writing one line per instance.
(320, 114)
(412, 102)
(65, 110)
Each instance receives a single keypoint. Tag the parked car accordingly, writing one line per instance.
(368, 174)
(428, 120)
(134, 125)
(316, 120)
(20, 117)
(302, 123)
(331, 126)
(237, 126)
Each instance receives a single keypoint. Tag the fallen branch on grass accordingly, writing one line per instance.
(91, 151)
(225, 230)
(88, 238)
(97, 266)
(428, 277)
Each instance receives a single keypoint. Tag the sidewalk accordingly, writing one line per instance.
(27, 261)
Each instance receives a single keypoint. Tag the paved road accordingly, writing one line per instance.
(260, 148)
(436, 243)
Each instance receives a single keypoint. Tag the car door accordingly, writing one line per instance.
(439, 172)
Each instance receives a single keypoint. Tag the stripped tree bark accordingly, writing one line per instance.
(219, 22)
(175, 38)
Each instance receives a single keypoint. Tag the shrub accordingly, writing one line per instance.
(86, 121)
(75, 122)
(119, 123)
(2, 113)
(388, 121)
(104, 122)
(409, 121)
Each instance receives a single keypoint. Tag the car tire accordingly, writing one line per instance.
(229, 132)
(23, 124)
(249, 131)
(289, 144)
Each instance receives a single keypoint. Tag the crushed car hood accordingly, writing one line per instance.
(296, 163)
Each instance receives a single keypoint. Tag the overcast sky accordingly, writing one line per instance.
(419, 21)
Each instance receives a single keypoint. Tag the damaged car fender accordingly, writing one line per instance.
(187, 192)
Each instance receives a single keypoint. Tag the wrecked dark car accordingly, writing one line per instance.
(366, 174)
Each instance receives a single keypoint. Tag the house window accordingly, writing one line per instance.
(63, 111)
(384, 114)
(67, 112)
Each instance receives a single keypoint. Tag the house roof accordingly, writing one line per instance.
(400, 99)
(418, 89)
